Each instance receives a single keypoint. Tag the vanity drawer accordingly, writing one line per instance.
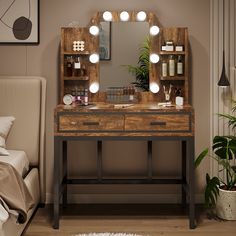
(158, 122)
(85, 122)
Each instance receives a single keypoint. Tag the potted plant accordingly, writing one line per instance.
(220, 194)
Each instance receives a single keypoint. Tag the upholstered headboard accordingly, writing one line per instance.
(24, 98)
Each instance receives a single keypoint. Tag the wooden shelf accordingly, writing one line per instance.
(173, 78)
(172, 53)
(179, 36)
(90, 70)
(76, 78)
(83, 53)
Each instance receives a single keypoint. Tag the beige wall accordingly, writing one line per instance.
(43, 60)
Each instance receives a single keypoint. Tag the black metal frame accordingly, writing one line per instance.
(61, 179)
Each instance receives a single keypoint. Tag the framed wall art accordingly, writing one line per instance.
(105, 41)
(19, 21)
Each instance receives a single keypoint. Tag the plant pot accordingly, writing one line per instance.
(226, 204)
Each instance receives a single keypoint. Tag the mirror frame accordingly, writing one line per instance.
(151, 18)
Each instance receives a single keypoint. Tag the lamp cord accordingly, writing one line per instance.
(223, 25)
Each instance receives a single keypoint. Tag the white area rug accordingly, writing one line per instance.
(106, 234)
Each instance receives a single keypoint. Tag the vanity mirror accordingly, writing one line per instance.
(82, 69)
(129, 30)
(126, 39)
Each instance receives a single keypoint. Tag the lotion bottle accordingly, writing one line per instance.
(179, 100)
(171, 66)
(164, 68)
(180, 66)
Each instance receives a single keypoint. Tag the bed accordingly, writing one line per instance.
(24, 98)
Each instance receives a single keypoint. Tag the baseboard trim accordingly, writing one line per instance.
(124, 198)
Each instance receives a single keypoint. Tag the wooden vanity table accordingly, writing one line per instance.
(103, 121)
(144, 120)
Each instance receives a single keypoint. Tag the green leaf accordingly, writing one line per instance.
(211, 190)
(200, 157)
(234, 169)
(141, 71)
(234, 106)
(224, 146)
(231, 120)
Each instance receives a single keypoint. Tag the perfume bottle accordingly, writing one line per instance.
(77, 67)
(83, 70)
(69, 66)
(86, 97)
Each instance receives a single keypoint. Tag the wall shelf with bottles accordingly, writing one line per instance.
(76, 70)
(174, 61)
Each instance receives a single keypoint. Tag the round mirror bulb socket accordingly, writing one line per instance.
(154, 58)
(94, 58)
(94, 30)
(94, 87)
(107, 16)
(124, 16)
(141, 16)
(154, 30)
(154, 87)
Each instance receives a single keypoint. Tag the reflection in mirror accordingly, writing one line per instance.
(126, 39)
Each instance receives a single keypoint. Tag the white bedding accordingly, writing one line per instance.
(3, 214)
(18, 159)
(8, 227)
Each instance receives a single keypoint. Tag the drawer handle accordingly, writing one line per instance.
(90, 123)
(73, 123)
(157, 123)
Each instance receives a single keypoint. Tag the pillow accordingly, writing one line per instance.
(6, 123)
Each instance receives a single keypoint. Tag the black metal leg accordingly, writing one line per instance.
(64, 153)
(184, 173)
(191, 151)
(56, 200)
(149, 159)
(99, 160)
(60, 158)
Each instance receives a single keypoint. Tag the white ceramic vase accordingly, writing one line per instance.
(226, 205)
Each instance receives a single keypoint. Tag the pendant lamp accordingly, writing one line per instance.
(223, 82)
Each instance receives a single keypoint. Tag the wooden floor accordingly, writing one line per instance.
(153, 220)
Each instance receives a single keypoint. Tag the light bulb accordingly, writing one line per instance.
(94, 58)
(94, 30)
(107, 16)
(154, 30)
(94, 87)
(141, 16)
(154, 58)
(124, 16)
(154, 87)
